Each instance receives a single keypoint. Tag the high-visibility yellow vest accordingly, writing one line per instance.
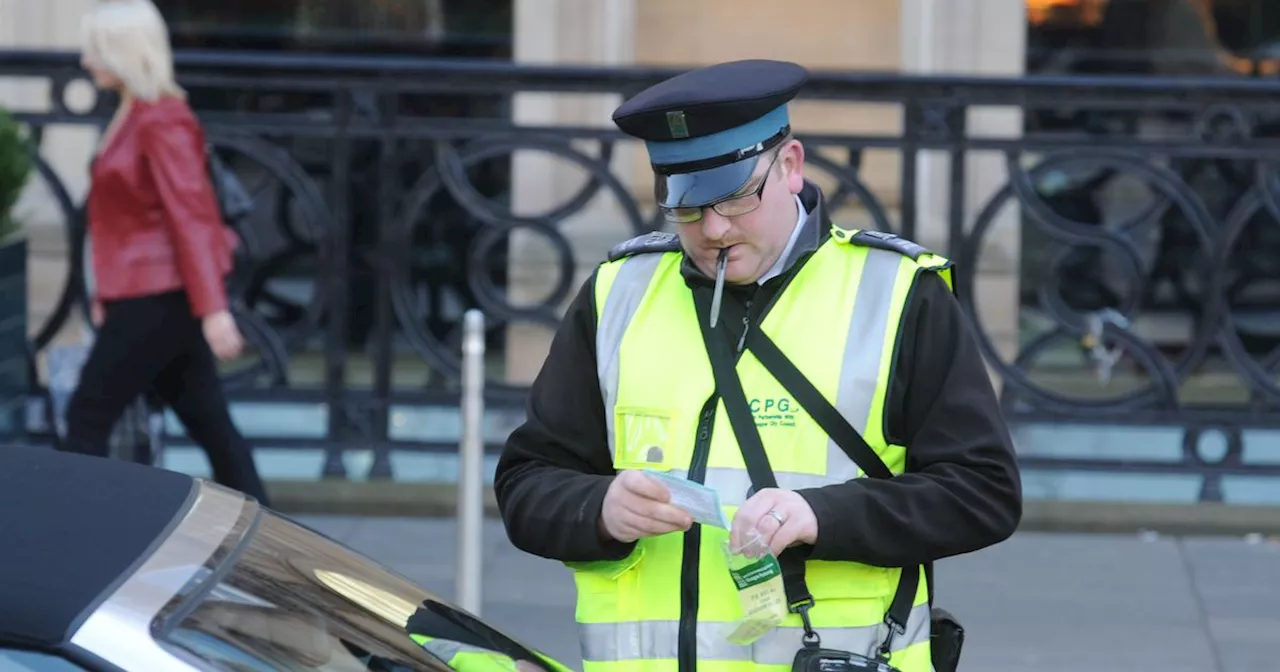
(838, 322)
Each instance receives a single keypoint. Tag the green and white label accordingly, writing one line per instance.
(756, 573)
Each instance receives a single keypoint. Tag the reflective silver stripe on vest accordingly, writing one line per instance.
(860, 368)
(734, 484)
(656, 640)
(625, 294)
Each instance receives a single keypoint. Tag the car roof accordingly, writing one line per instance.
(73, 527)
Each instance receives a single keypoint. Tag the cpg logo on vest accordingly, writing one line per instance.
(773, 412)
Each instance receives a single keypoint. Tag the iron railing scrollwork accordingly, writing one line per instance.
(1148, 291)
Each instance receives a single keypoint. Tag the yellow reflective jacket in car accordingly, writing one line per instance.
(468, 658)
(838, 323)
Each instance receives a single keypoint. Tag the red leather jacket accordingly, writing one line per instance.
(153, 219)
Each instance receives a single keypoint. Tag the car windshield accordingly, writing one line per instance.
(288, 598)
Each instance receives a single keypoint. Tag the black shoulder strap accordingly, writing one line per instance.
(728, 385)
(850, 441)
(808, 396)
(729, 388)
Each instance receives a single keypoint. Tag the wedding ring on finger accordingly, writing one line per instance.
(777, 515)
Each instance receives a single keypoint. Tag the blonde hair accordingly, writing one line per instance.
(130, 38)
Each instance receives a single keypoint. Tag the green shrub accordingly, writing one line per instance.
(15, 169)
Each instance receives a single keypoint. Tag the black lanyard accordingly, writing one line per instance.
(729, 387)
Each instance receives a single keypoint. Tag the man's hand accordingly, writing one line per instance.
(637, 506)
(798, 524)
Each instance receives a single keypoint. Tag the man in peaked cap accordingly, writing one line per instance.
(760, 374)
(705, 132)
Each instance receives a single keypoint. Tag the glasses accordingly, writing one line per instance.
(733, 206)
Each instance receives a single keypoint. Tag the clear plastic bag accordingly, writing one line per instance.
(758, 576)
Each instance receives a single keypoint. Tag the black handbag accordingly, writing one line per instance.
(234, 202)
(946, 639)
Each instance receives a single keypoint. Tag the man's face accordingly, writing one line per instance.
(756, 239)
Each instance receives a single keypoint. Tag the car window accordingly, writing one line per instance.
(18, 660)
(294, 600)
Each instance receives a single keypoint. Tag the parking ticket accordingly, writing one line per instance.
(698, 500)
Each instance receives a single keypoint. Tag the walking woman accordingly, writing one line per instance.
(160, 253)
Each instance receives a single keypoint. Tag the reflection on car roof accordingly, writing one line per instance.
(73, 526)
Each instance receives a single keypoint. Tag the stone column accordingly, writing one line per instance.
(48, 25)
(563, 32)
(976, 38)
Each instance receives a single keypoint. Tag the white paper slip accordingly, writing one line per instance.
(698, 500)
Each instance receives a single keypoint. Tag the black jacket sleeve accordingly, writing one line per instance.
(555, 468)
(961, 491)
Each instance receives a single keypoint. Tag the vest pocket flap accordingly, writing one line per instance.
(849, 580)
(609, 569)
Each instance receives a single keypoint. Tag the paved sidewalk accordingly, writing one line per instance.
(1040, 602)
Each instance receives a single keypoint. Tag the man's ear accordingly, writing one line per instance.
(793, 165)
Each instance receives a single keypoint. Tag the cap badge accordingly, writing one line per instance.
(677, 125)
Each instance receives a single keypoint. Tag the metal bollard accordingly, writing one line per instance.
(471, 464)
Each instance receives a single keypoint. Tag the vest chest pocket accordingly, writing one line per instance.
(849, 579)
(607, 589)
(643, 439)
(849, 592)
(602, 576)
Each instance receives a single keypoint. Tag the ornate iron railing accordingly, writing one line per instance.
(1143, 206)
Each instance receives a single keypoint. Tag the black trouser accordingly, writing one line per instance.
(153, 343)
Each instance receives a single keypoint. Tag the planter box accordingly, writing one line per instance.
(14, 366)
